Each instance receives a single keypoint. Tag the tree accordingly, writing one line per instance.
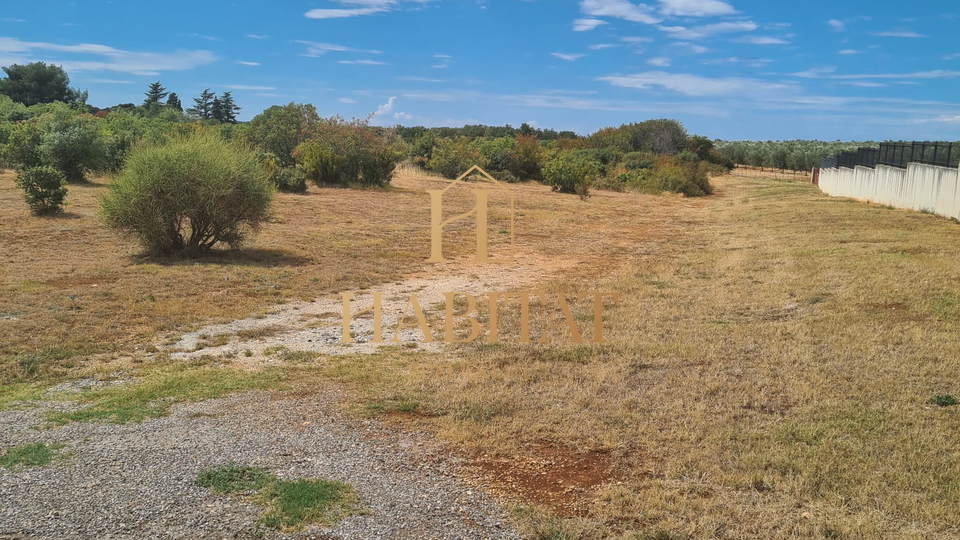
(173, 102)
(228, 109)
(203, 105)
(216, 110)
(281, 128)
(189, 194)
(38, 82)
(43, 189)
(154, 94)
(73, 146)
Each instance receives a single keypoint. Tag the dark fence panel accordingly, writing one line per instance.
(899, 154)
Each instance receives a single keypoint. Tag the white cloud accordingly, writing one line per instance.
(256, 36)
(762, 40)
(952, 56)
(899, 34)
(568, 57)
(837, 26)
(245, 63)
(362, 62)
(849, 51)
(13, 50)
(935, 74)
(659, 61)
(356, 8)
(698, 32)
(751, 62)
(387, 107)
(635, 39)
(11, 19)
(421, 79)
(346, 100)
(620, 9)
(695, 8)
(691, 48)
(601, 46)
(865, 84)
(695, 85)
(583, 25)
(402, 116)
(315, 49)
(814, 73)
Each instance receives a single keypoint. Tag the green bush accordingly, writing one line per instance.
(345, 153)
(73, 146)
(23, 144)
(689, 179)
(571, 171)
(43, 189)
(189, 194)
(529, 158)
(290, 180)
(638, 160)
(281, 128)
(453, 157)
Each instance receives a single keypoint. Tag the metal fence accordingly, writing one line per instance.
(898, 154)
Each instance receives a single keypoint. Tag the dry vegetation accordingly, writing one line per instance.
(768, 374)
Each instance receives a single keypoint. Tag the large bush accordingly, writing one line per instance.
(529, 158)
(281, 128)
(344, 153)
(453, 157)
(571, 172)
(189, 194)
(23, 144)
(43, 189)
(690, 179)
(73, 146)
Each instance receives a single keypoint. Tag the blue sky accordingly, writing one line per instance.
(734, 69)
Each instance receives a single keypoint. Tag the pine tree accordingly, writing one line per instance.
(203, 105)
(228, 109)
(154, 93)
(216, 110)
(174, 102)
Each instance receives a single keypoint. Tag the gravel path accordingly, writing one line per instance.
(136, 481)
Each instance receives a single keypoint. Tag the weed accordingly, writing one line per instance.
(29, 455)
(232, 478)
(943, 400)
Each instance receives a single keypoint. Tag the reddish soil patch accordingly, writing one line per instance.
(547, 474)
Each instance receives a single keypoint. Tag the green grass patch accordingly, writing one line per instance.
(290, 504)
(153, 394)
(18, 392)
(29, 455)
(294, 504)
(943, 400)
(234, 479)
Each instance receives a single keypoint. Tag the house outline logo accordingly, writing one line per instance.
(480, 211)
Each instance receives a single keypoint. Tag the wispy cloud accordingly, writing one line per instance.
(849, 51)
(315, 49)
(11, 19)
(707, 30)
(762, 40)
(837, 25)
(347, 100)
(421, 79)
(568, 57)
(899, 34)
(245, 63)
(695, 85)
(583, 25)
(444, 61)
(601, 46)
(362, 62)
(13, 50)
(257, 36)
(953, 56)
(357, 8)
(620, 9)
(695, 8)
(828, 73)
(659, 61)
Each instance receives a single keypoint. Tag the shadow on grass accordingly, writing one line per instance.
(261, 257)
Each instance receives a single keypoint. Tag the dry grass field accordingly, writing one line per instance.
(768, 374)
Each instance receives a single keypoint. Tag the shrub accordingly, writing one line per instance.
(529, 158)
(43, 189)
(281, 128)
(689, 179)
(23, 144)
(571, 172)
(638, 160)
(453, 157)
(344, 153)
(73, 146)
(189, 194)
(290, 180)
(499, 155)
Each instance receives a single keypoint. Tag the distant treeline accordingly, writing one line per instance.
(797, 155)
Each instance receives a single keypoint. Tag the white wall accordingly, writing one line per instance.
(919, 187)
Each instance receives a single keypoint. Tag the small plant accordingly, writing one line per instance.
(43, 188)
(943, 400)
(291, 504)
(29, 455)
(232, 478)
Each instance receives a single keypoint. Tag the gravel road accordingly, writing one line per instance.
(136, 481)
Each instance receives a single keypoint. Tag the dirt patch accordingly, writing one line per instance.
(548, 474)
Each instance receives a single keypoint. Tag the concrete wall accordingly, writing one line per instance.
(919, 187)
